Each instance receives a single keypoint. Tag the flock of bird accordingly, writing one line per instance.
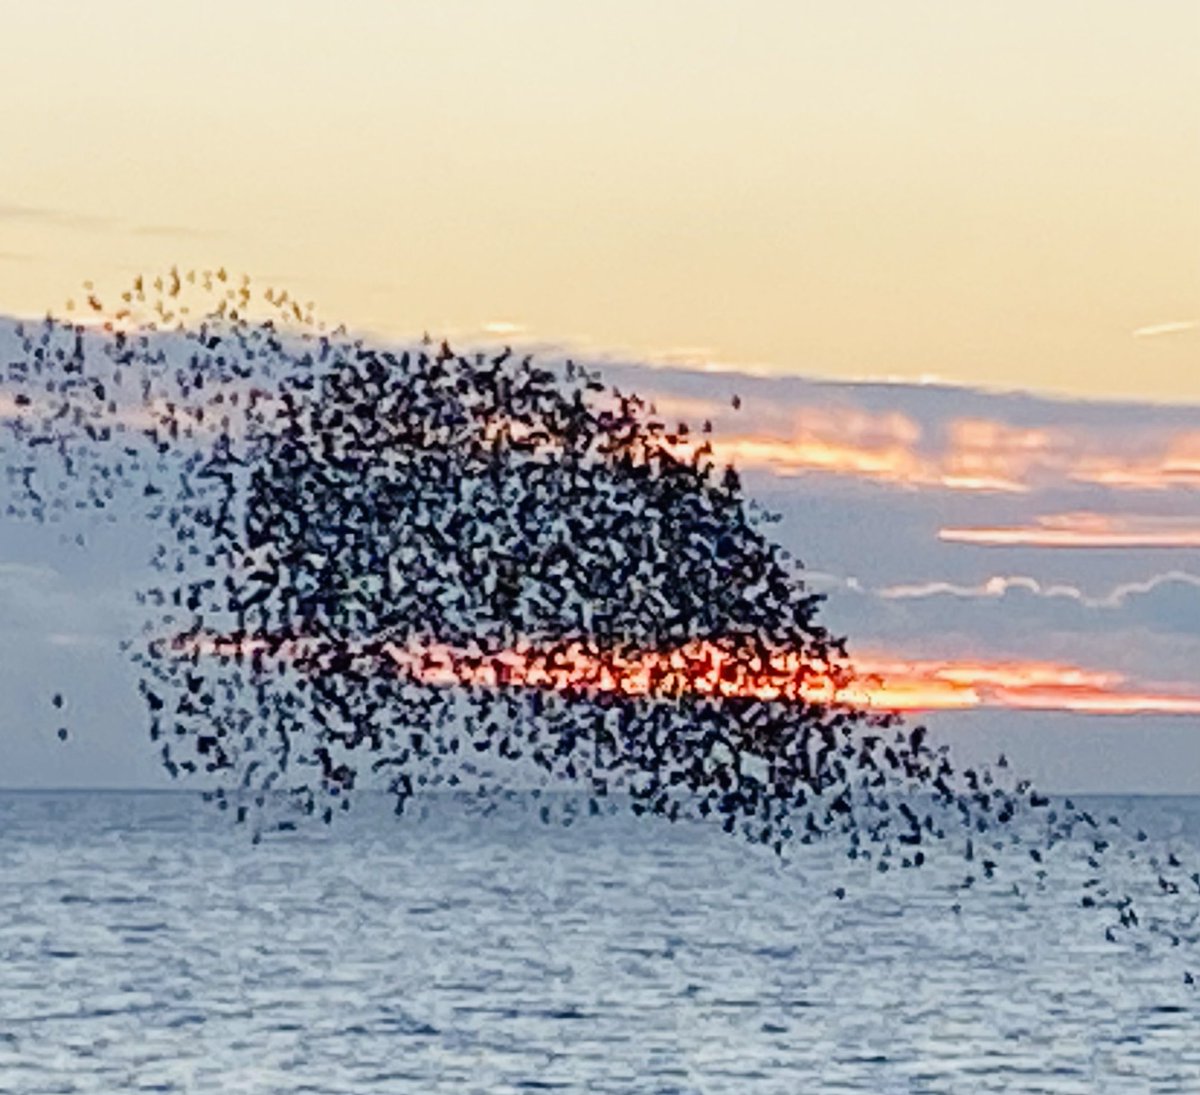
(412, 569)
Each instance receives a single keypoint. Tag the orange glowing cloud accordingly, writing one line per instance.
(983, 454)
(838, 438)
(970, 454)
(884, 463)
(1083, 530)
(837, 441)
(932, 685)
(1177, 464)
(878, 682)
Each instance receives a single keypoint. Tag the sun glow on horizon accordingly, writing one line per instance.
(875, 680)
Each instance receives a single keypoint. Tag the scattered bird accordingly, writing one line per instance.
(422, 569)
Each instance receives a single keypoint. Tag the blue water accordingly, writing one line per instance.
(146, 944)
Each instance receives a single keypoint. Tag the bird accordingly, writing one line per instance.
(339, 535)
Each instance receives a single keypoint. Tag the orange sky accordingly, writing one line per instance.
(999, 193)
(996, 194)
(875, 680)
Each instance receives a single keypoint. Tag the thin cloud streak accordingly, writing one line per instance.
(175, 232)
(993, 589)
(932, 685)
(1174, 328)
(503, 327)
(32, 214)
(1083, 530)
(998, 586)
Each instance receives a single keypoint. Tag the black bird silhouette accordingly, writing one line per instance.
(417, 570)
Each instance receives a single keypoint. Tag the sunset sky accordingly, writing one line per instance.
(991, 206)
(991, 193)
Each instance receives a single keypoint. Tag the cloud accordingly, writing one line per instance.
(975, 455)
(175, 231)
(864, 475)
(882, 446)
(1169, 603)
(65, 218)
(1150, 626)
(503, 327)
(1174, 463)
(809, 454)
(993, 589)
(916, 438)
(11, 212)
(694, 410)
(880, 681)
(1174, 328)
(932, 684)
(27, 572)
(699, 356)
(1130, 592)
(1000, 586)
(1083, 530)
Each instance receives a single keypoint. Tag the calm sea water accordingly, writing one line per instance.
(147, 945)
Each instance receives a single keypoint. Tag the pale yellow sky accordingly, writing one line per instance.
(991, 192)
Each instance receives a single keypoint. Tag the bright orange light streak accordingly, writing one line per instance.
(873, 682)
(930, 685)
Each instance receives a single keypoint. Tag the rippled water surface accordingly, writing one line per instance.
(146, 944)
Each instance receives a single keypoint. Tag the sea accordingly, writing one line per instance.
(147, 943)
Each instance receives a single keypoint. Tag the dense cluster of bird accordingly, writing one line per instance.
(414, 569)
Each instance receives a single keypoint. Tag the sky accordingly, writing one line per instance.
(947, 254)
(1021, 572)
(991, 193)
